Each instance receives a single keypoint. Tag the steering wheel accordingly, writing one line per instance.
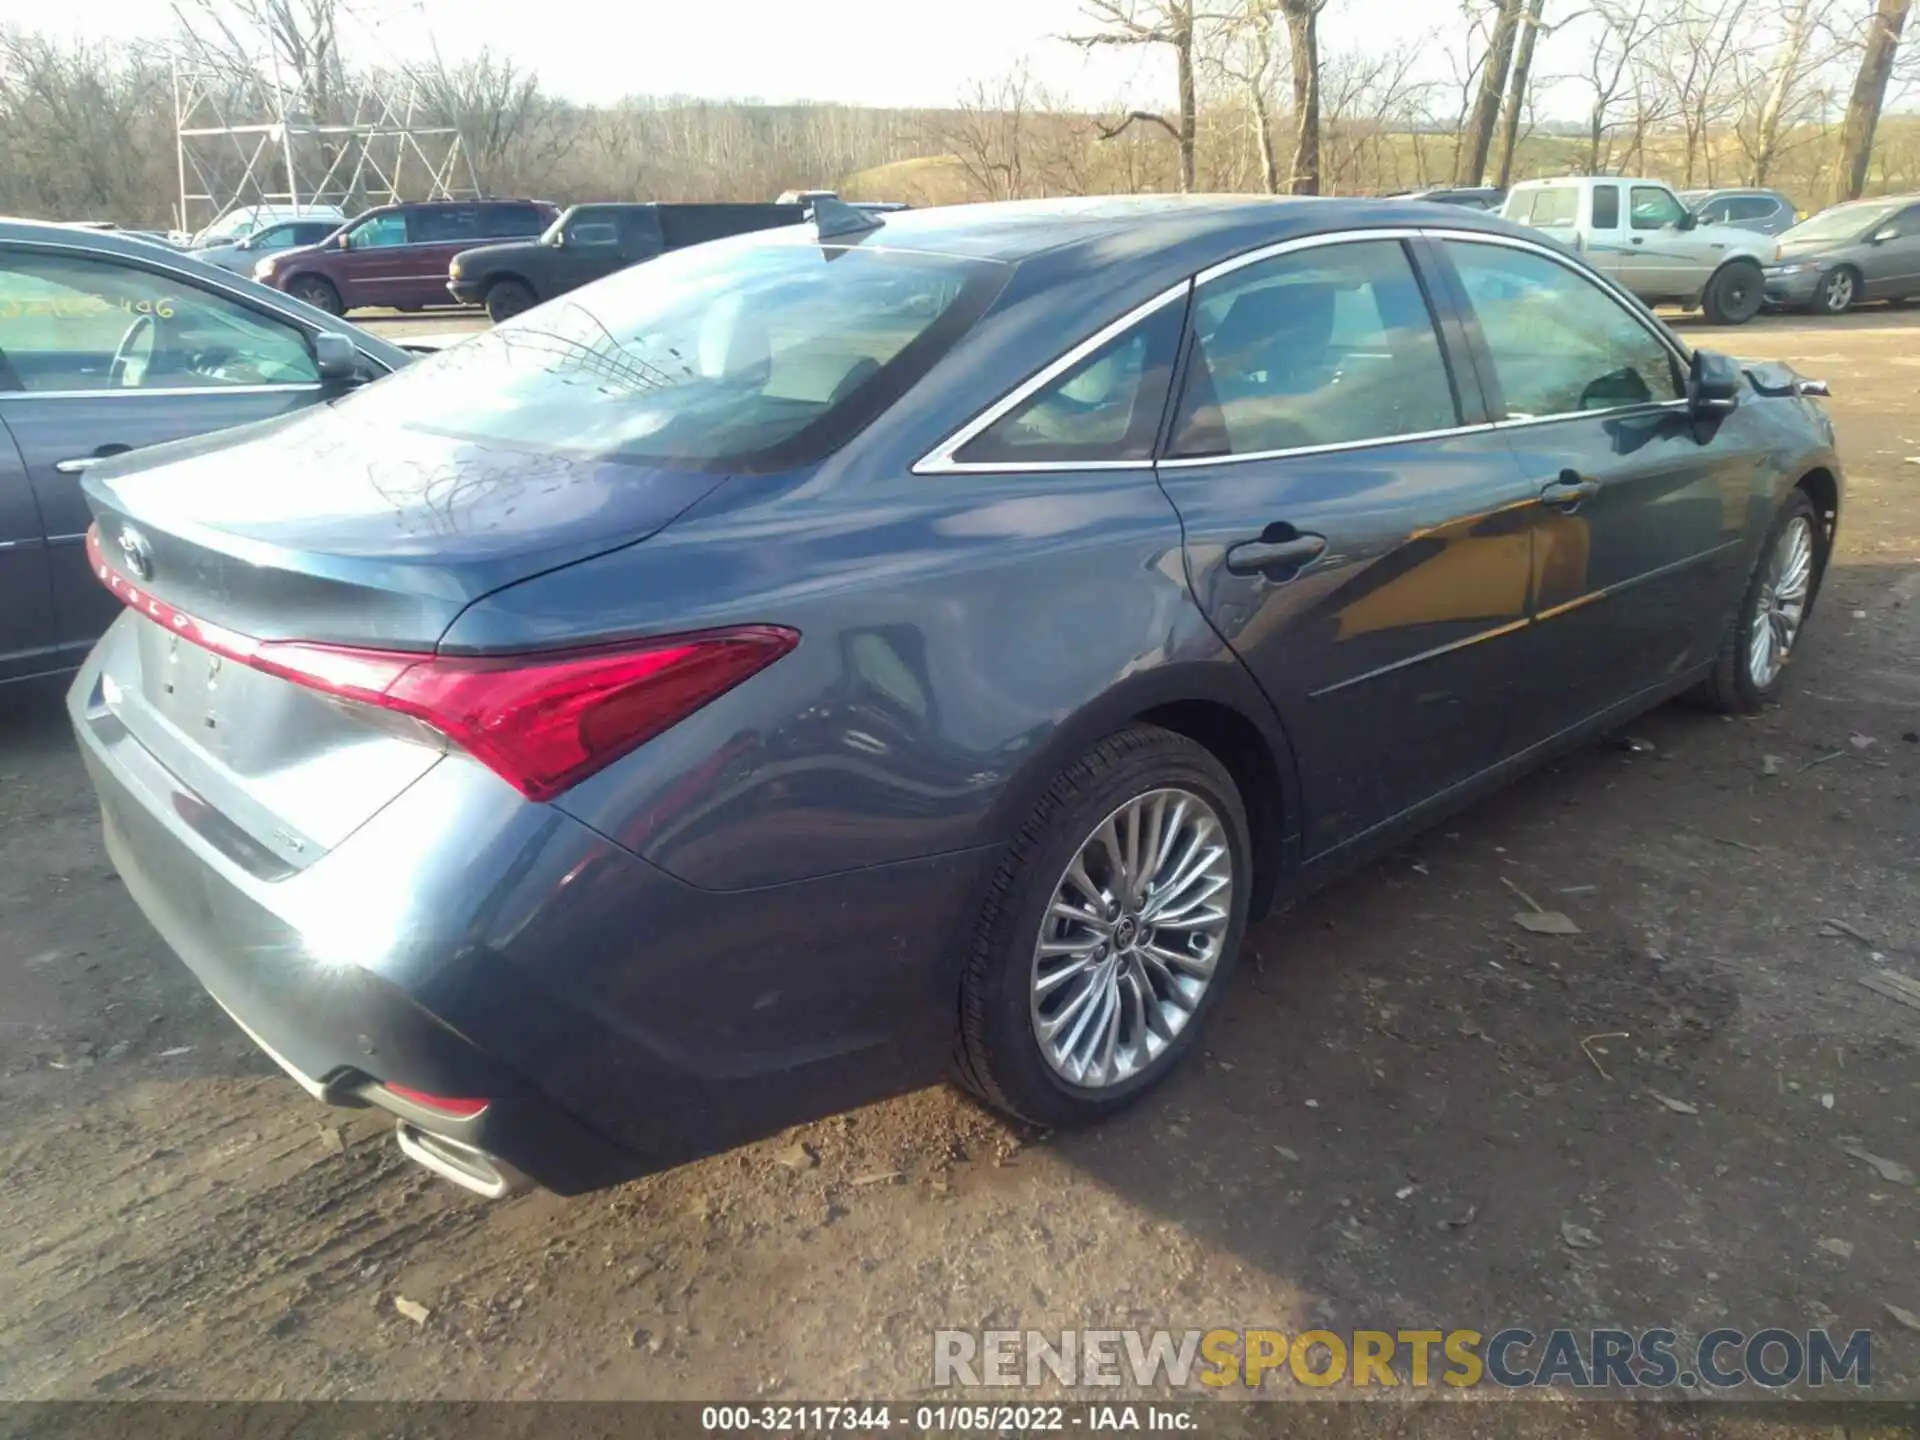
(122, 372)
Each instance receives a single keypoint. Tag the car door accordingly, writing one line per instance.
(1613, 247)
(378, 267)
(435, 234)
(1352, 531)
(1892, 264)
(1638, 514)
(104, 355)
(1668, 261)
(26, 631)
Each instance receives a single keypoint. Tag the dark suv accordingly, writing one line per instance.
(589, 241)
(396, 256)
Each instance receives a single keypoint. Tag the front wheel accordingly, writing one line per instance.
(1735, 293)
(1837, 292)
(1108, 932)
(1754, 655)
(507, 298)
(318, 292)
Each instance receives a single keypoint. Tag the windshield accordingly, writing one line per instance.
(1843, 222)
(727, 356)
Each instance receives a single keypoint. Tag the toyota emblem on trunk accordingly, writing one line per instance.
(139, 555)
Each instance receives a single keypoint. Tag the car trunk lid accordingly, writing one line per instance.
(296, 532)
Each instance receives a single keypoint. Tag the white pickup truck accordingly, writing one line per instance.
(1640, 235)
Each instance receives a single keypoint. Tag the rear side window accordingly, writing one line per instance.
(445, 224)
(1105, 408)
(1560, 344)
(1327, 346)
(1752, 207)
(510, 222)
(734, 356)
(1556, 205)
(1606, 207)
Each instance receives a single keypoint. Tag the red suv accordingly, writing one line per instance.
(396, 257)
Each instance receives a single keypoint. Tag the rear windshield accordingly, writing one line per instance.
(1843, 222)
(733, 356)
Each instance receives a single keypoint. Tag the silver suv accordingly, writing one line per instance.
(1767, 211)
(1641, 236)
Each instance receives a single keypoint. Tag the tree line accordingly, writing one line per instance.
(1789, 93)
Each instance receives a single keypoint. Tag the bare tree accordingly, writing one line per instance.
(1253, 76)
(1303, 39)
(1781, 76)
(1869, 94)
(1518, 80)
(1476, 137)
(494, 105)
(1173, 23)
(1625, 28)
(1696, 67)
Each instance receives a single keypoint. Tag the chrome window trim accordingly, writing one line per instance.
(940, 461)
(134, 392)
(213, 280)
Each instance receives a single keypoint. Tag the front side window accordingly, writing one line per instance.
(1905, 225)
(377, 232)
(1328, 346)
(1717, 212)
(592, 227)
(1105, 408)
(1752, 207)
(1560, 343)
(1655, 208)
(728, 356)
(72, 323)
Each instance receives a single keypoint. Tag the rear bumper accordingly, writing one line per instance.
(464, 942)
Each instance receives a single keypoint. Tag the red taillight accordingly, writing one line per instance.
(445, 1105)
(542, 721)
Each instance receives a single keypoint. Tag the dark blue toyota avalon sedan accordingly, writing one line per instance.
(812, 663)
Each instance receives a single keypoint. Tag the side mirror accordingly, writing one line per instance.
(1687, 221)
(1884, 234)
(1713, 384)
(335, 357)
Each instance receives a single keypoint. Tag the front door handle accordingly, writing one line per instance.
(1569, 489)
(82, 463)
(1284, 552)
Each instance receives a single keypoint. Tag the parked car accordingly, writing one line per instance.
(724, 696)
(396, 256)
(1486, 197)
(590, 241)
(109, 344)
(243, 220)
(241, 256)
(1863, 250)
(1640, 235)
(1767, 211)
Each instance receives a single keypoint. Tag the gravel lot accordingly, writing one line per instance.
(1392, 1124)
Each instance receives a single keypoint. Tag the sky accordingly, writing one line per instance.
(866, 52)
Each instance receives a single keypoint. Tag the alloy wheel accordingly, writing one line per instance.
(1839, 291)
(1132, 938)
(1781, 604)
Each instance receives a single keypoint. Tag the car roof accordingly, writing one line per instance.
(1190, 229)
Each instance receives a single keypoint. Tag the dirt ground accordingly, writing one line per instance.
(1393, 1124)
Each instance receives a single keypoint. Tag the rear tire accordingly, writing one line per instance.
(318, 292)
(1838, 292)
(1735, 293)
(1155, 958)
(507, 298)
(1740, 684)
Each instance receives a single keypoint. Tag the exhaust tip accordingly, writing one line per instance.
(466, 1165)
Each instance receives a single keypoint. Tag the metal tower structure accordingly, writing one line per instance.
(244, 135)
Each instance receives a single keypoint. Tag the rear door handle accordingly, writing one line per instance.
(81, 463)
(1569, 489)
(1263, 556)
